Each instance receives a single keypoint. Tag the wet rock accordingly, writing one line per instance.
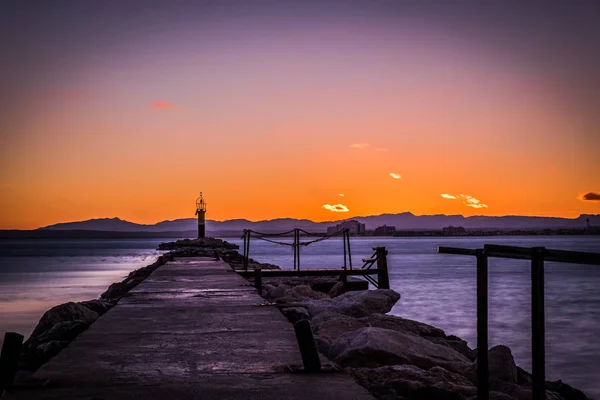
(208, 242)
(501, 365)
(272, 293)
(49, 349)
(458, 345)
(402, 325)
(295, 314)
(432, 392)
(336, 290)
(356, 304)
(374, 347)
(98, 306)
(331, 326)
(306, 292)
(565, 391)
(61, 331)
(519, 392)
(495, 396)
(408, 380)
(119, 289)
(64, 312)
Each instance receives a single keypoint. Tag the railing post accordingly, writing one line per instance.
(344, 240)
(298, 246)
(349, 252)
(308, 348)
(294, 247)
(9, 359)
(246, 249)
(482, 326)
(258, 280)
(537, 324)
(382, 270)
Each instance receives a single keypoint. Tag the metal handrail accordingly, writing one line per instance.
(537, 255)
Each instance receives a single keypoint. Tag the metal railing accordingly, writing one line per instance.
(297, 244)
(537, 255)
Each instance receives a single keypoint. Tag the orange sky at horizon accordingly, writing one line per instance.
(272, 128)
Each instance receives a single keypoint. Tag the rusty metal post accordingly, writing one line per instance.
(298, 246)
(537, 324)
(382, 269)
(294, 247)
(344, 240)
(349, 253)
(308, 348)
(482, 326)
(9, 359)
(258, 280)
(247, 251)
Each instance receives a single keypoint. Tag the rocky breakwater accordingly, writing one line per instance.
(60, 325)
(211, 247)
(398, 358)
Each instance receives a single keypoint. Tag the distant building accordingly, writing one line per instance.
(385, 230)
(355, 227)
(453, 231)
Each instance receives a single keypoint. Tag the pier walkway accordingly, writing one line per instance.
(191, 330)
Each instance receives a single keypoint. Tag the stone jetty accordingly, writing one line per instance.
(189, 327)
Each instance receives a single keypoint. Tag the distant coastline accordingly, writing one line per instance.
(92, 234)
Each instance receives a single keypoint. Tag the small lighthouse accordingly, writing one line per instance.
(201, 212)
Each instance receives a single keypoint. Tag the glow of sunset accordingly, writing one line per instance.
(271, 110)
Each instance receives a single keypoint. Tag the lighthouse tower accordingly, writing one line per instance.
(201, 212)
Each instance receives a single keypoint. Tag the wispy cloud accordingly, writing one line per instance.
(590, 196)
(360, 145)
(162, 105)
(472, 202)
(395, 176)
(7, 184)
(381, 149)
(341, 194)
(467, 200)
(336, 207)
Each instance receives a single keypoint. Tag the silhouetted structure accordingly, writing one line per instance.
(201, 212)
(453, 230)
(353, 226)
(385, 230)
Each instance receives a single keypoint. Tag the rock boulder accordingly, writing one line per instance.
(374, 347)
(356, 304)
(62, 313)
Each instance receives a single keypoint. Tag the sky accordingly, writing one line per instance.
(306, 109)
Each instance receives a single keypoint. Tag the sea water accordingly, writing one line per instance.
(436, 289)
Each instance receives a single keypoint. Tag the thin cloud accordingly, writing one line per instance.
(360, 145)
(381, 149)
(591, 196)
(162, 105)
(395, 176)
(467, 200)
(7, 184)
(341, 194)
(336, 207)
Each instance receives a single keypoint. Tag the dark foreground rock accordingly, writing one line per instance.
(205, 243)
(398, 358)
(64, 313)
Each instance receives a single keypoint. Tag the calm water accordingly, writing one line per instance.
(38, 274)
(436, 289)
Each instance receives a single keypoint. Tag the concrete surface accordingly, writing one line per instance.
(192, 330)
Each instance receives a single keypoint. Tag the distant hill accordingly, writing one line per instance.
(402, 221)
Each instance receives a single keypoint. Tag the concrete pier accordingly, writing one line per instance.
(192, 330)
